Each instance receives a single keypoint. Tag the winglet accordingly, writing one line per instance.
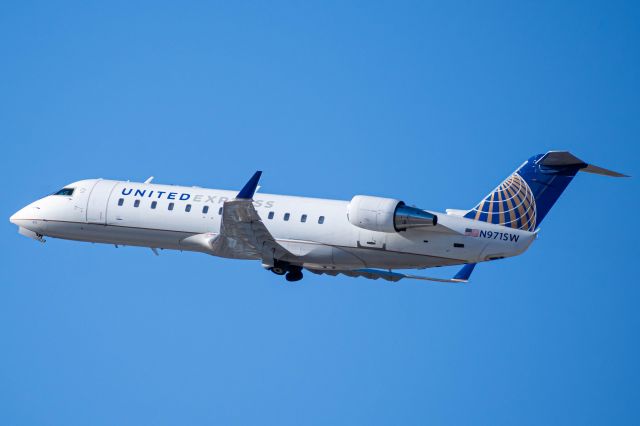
(463, 274)
(246, 193)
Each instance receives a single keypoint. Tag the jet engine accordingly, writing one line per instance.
(387, 214)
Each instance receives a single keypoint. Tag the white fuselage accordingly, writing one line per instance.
(317, 231)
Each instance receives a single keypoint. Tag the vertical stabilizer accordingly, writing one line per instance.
(523, 200)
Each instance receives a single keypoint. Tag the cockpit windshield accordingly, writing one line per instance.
(65, 191)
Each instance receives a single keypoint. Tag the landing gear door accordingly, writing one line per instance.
(98, 201)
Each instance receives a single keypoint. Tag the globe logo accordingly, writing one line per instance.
(511, 204)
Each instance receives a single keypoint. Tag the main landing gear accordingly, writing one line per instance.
(293, 272)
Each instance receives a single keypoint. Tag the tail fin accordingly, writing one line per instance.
(523, 200)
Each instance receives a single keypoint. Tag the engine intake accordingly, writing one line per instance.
(387, 214)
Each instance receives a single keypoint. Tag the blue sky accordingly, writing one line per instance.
(431, 102)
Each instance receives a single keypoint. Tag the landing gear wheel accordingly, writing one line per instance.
(293, 276)
(278, 270)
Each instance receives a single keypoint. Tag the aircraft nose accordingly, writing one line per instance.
(16, 217)
(30, 221)
(21, 215)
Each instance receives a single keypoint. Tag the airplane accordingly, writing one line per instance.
(366, 237)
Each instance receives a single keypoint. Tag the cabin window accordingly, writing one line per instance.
(458, 245)
(136, 203)
(286, 216)
(270, 215)
(205, 210)
(303, 218)
(220, 210)
(65, 191)
(170, 206)
(121, 201)
(321, 220)
(154, 204)
(187, 208)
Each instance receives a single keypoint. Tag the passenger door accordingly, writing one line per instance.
(98, 201)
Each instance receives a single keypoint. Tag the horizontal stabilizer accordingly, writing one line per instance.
(566, 159)
(601, 171)
(456, 212)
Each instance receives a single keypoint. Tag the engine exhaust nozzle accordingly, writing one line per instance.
(406, 217)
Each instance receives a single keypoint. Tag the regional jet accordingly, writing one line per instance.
(366, 237)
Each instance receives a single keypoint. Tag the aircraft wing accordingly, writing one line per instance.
(242, 233)
(373, 274)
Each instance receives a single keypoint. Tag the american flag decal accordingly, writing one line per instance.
(471, 232)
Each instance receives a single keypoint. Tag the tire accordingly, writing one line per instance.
(293, 276)
(278, 271)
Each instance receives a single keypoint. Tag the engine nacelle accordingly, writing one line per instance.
(387, 214)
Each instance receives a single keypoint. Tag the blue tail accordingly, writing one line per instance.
(523, 200)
